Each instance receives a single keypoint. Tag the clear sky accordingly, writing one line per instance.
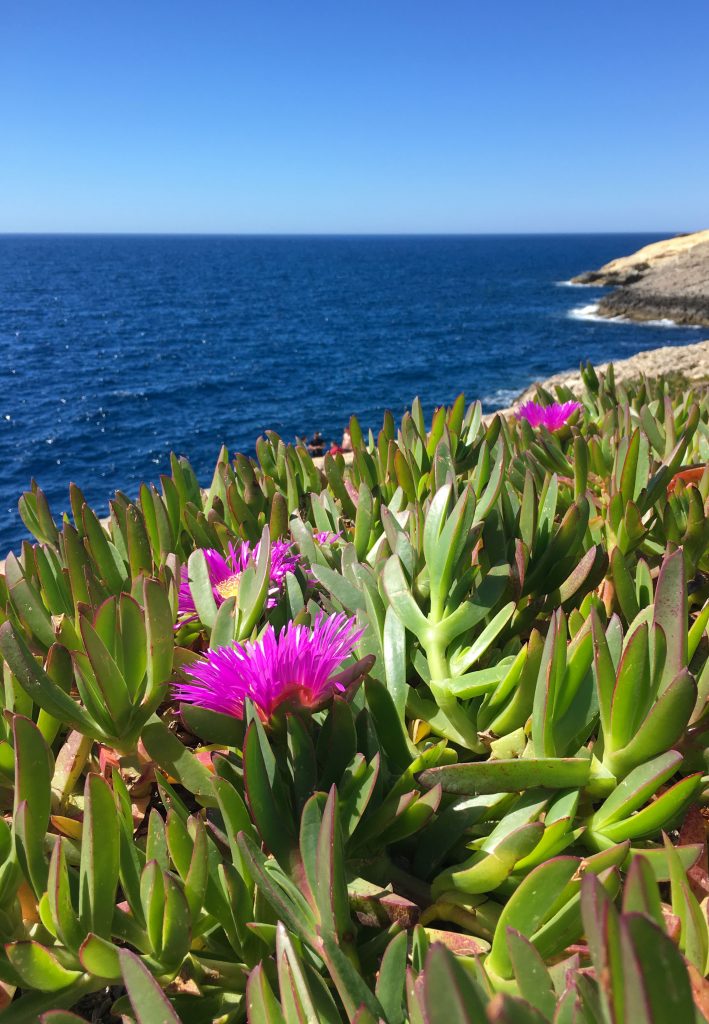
(354, 115)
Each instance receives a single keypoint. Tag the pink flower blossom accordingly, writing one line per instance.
(224, 574)
(296, 666)
(551, 416)
(325, 537)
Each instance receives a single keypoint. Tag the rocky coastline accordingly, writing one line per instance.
(668, 280)
(691, 362)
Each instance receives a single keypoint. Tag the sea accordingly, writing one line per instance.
(118, 349)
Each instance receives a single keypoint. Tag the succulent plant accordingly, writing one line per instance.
(470, 811)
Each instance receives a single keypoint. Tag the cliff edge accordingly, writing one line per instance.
(667, 280)
(689, 361)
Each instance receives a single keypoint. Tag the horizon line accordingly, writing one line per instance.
(329, 234)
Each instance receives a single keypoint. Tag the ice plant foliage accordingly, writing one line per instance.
(551, 416)
(224, 573)
(297, 665)
(532, 616)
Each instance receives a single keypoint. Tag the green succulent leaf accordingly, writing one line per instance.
(38, 968)
(201, 588)
(32, 799)
(528, 907)
(150, 1005)
(45, 693)
(509, 775)
(656, 983)
(451, 996)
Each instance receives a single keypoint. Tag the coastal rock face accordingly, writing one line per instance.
(677, 289)
(667, 280)
(627, 269)
(692, 361)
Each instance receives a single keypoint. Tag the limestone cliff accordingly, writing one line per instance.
(665, 280)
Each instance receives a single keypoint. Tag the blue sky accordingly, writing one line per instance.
(342, 116)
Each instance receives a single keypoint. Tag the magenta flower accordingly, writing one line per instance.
(325, 537)
(295, 666)
(224, 574)
(551, 416)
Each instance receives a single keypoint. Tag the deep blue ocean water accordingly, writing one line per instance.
(118, 349)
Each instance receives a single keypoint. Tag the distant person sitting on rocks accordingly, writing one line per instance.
(317, 445)
(346, 444)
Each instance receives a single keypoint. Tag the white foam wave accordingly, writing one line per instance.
(501, 398)
(668, 323)
(590, 312)
(575, 284)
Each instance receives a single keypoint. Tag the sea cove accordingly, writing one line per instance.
(119, 349)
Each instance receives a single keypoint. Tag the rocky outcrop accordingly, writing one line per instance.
(677, 289)
(628, 269)
(691, 361)
(667, 280)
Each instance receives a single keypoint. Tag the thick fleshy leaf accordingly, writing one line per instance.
(394, 654)
(287, 900)
(402, 600)
(64, 916)
(660, 814)
(450, 994)
(663, 726)
(99, 858)
(159, 636)
(488, 869)
(509, 775)
(636, 788)
(178, 761)
(657, 987)
(392, 979)
(31, 799)
(331, 886)
(392, 736)
(441, 536)
(531, 975)
(39, 968)
(462, 662)
(631, 690)
(265, 796)
(45, 693)
(528, 907)
(641, 893)
(694, 935)
(253, 588)
(602, 928)
(604, 672)
(201, 588)
(261, 1003)
(108, 676)
(100, 958)
(60, 1017)
(670, 613)
(29, 606)
(341, 589)
(304, 996)
(149, 1002)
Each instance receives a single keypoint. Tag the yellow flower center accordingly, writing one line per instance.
(229, 587)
